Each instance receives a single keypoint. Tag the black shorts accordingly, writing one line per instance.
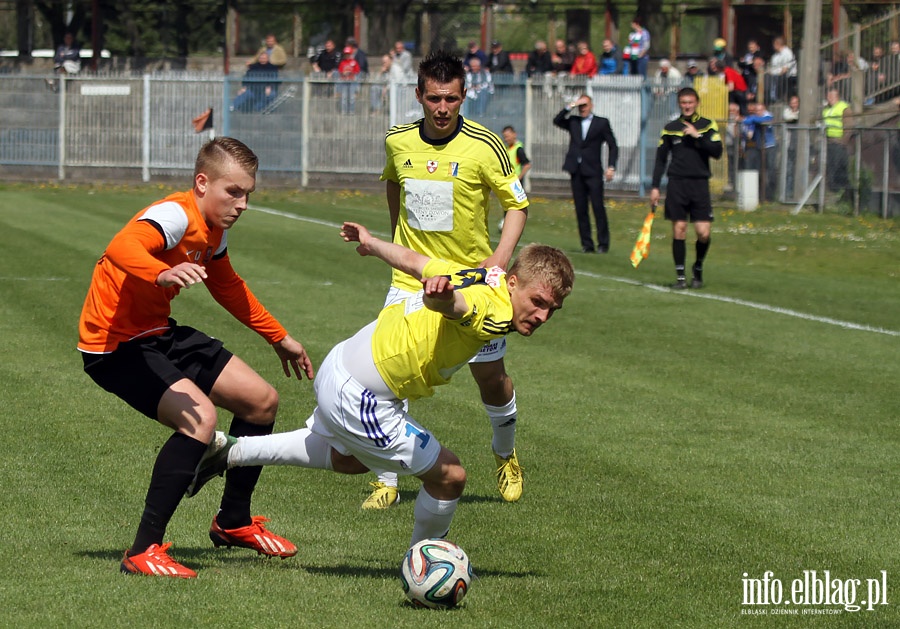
(142, 370)
(688, 199)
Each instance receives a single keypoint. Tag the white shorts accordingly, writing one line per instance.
(374, 429)
(492, 351)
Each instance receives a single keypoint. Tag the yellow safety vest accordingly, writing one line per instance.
(514, 156)
(833, 115)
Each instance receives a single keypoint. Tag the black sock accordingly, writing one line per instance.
(172, 473)
(234, 512)
(701, 248)
(679, 253)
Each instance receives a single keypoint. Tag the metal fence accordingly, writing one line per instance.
(316, 126)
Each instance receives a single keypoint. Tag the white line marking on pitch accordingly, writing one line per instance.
(704, 295)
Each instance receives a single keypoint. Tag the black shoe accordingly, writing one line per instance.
(696, 283)
(679, 284)
(603, 250)
(588, 250)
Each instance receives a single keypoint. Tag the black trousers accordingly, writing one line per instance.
(586, 189)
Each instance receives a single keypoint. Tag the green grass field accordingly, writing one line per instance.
(672, 442)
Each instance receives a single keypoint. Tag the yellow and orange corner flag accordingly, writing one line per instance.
(642, 246)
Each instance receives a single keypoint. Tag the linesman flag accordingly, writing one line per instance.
(642, 246)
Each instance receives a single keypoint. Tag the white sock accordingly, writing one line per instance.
(388, 478)
(299, 447)
(433, 516)
(503, 421)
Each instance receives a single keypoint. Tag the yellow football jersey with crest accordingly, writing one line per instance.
(445, 188)
(416, 349)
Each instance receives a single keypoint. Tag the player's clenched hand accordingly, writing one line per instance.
(292, 354)
(354, 232)
(438, 287)
(183, 275)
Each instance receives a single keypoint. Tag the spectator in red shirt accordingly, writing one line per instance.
(585, 62)
(737, 86)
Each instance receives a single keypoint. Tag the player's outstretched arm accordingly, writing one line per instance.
(401, 258)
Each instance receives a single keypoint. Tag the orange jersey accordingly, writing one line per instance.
(124, 302)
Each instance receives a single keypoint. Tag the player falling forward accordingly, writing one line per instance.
(361, 423)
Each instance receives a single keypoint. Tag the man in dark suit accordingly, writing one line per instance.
(584, 162)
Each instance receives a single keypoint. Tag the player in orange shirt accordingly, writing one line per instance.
(175, 374)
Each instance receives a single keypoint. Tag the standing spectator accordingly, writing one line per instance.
(479, 87)
(747, 64)
(563, 57)
(260, 86)
(791, 116)
(668, 79)
(737, 87)
(892, 67)
(692, 71)
(637, 52)
(667, 73)
(585, 63)
(720, 52)
(691, 140)
(359, 55)
(782, 70)
(361, 421)
(441, 208)
(610, 63)
(328, 60)
(759, 146)
(499, 60)
(516, 151)
(474, 51)
(584, 163)
(401, 63)
(876, 78)
(379, 84)
(540, 61)
(349, 72)
(733, 141)
(836, 151)
(275, 52)
(755, 78)
(67, 59)
(175, 374)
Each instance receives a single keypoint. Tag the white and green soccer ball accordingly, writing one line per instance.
(435, 573)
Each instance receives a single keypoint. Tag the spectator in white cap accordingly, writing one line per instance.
(668, 72)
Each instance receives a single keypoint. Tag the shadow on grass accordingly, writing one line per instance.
(410, 497)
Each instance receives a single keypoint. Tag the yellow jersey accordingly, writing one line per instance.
(445, 188)
(416, 349)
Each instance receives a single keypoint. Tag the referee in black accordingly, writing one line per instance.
(691, 140)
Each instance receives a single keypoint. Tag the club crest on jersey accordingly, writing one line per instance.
(493, 276)
(432, 165)
(453, 169)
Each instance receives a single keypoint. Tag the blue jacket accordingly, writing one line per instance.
(756, 126)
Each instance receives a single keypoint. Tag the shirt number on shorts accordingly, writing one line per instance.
(424, 437)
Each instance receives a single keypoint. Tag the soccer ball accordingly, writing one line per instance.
(435, 573)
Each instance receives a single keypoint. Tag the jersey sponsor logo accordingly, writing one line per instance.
(432, 165)
(453, 169)
(429, 205)
(490, 347)
(407, 164)
(518, 191)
